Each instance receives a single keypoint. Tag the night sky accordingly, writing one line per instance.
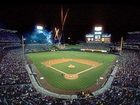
(116, 19)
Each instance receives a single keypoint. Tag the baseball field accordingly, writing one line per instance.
(71, 70)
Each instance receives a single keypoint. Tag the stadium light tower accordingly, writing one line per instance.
(23, 39)
(23, 49)
(39, 27)
(98, 28)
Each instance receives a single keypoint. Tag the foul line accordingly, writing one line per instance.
(85, 70)
(75, 73)
(57, 70)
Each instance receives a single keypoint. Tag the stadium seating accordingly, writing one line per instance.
(38, 47)
(8, 36)
(17, 89)
(133, 39)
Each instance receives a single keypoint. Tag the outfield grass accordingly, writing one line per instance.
(85, 80)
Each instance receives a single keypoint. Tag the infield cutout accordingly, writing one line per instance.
(50, 63)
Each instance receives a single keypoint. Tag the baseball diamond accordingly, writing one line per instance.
(70, 71)
(50, 63)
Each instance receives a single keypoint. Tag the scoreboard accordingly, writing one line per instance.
(98, 36)
(91, 38)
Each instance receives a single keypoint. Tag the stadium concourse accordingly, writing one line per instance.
(16, 87)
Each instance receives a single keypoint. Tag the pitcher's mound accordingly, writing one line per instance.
(71, 76)
(71, 66)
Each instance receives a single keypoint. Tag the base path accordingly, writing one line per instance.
(50, 63)
(63, 60)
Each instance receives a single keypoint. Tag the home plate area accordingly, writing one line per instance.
(71, 76)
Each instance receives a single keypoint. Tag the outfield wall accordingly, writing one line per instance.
(108, 83)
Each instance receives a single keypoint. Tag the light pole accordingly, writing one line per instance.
(121, 45)
(23, 49)
(22, 45)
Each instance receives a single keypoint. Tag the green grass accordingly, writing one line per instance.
(85, 80)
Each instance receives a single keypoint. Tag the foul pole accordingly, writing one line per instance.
(22, 50)
(22, 45)
(121, 45)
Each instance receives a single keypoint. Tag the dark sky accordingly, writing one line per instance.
(116, 19)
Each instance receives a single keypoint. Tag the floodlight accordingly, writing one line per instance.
(89, 35)
(97, 32)
(98, 28)
(39, 27)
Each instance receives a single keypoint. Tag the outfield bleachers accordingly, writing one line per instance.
(38, 47)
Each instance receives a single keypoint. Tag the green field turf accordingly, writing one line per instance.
(78, 67)
(84, 81)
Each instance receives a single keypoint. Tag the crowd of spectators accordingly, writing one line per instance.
(8, 36)
(37, 47)
(129, 73)
(96, 46)
(16, 87)
(133, 38)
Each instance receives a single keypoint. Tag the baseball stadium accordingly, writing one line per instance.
(70, 58)
(66, 69)
(70, 69)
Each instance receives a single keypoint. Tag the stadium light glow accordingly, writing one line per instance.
(89, 35)
(98, 28)
(38, 27)
(97, 32)
(40, 35)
